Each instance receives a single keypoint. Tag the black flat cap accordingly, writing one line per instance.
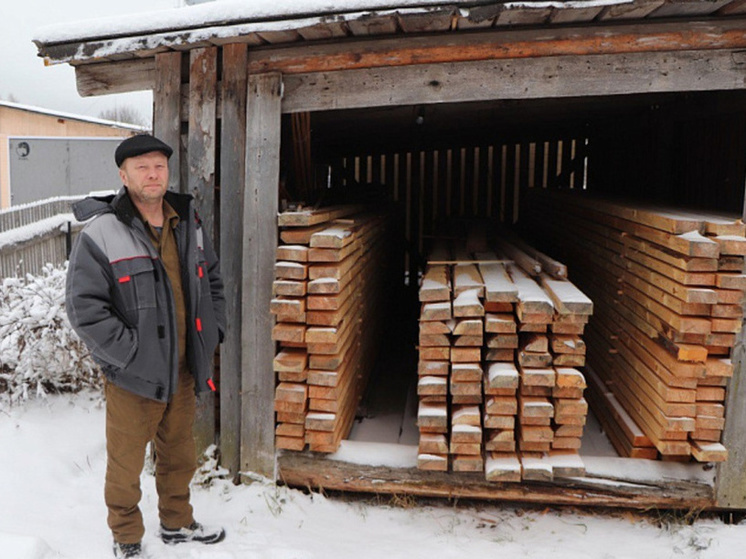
(138, 145)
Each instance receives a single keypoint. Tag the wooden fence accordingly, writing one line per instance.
(34, 235)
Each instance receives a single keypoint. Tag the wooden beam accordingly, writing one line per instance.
(259, 247)
(557, 76)
(115, 77)
(167, 110)
(99, 78)
(232, 179)
(500, 45)
(667, 485)
(201, 185)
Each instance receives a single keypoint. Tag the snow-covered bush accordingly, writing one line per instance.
(39, 351)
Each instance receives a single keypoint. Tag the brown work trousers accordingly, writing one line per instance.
(131, 422)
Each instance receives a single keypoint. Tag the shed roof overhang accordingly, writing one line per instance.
(262, 24)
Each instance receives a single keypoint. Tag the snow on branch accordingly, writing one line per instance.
(39, 351)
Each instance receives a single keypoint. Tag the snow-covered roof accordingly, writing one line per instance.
(260, 22)
(221, 12)
(71, 116)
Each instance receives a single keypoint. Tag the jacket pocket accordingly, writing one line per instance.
(134, 288)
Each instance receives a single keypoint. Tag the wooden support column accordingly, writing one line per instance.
(259, 245)
(731, 474)
(201, 184)
(167, 110)
(232, 180)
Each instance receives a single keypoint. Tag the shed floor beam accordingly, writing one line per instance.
(310, 471)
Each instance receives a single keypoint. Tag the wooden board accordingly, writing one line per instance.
(308, 217)
(498, 285)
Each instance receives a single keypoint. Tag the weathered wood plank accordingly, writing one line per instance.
(259, 246)
(430, 22)
(201, 185)
(233, 177)
(632, 10)
(665, 485)
(167, 110)
(202, 134)
(574, 14)
(382, 25)
(502, 45)
(326, 30)
(733, 7)
(513, 79)
(115, 77)
(680, 8)
(523, 16)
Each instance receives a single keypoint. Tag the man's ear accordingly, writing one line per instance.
(123, 176)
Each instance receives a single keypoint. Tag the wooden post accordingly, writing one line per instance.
(259, 245)
(731, 474)
(232, 180)
(201, 184)
(167, 110)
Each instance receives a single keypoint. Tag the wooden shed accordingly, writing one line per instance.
(639, 98)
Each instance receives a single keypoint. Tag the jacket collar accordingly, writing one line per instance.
(121, 205)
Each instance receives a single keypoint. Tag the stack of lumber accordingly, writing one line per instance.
(434, 367)
(327, 298)
(552, 314)
(573, 310)
(466, 369)
(534, 312)
(668, 288)
(487, 386)
(501, 342)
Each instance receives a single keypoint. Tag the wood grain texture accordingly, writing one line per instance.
(601, 74)
(259, 247)
(232, 173)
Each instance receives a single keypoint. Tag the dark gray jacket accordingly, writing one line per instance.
(119, 298)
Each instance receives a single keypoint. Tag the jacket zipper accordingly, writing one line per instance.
(161, 275)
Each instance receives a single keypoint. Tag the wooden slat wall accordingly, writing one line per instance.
(484, 181)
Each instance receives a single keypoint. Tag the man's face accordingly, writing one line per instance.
(145, 176)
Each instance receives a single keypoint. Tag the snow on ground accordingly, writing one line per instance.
(51, 507)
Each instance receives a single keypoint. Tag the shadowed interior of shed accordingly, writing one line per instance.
(471, 163)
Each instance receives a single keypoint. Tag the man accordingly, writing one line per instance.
(144, 293)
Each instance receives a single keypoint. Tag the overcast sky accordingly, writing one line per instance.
(23, 74)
